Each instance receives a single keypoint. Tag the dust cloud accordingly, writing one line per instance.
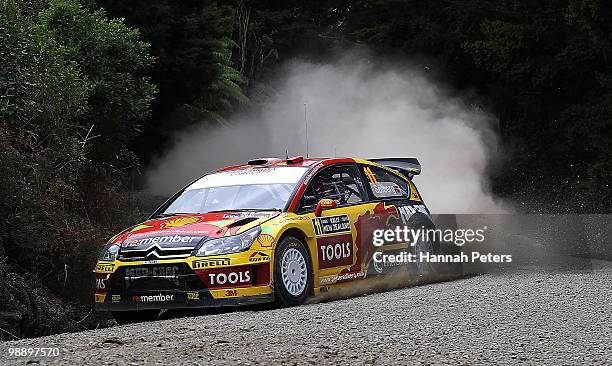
(355, 107)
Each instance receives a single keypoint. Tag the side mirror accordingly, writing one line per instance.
(325, 204)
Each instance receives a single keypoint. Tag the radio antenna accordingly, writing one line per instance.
(306, 123)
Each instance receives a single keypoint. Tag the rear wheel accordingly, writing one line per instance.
(127, 317)
(293, 275)
(423, 244)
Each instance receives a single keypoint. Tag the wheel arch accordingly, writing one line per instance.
(303, 238)
(299, 234)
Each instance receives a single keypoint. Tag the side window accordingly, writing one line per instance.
(386, 185)
(341, 183)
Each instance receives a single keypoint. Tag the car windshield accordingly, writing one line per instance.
(253, 188)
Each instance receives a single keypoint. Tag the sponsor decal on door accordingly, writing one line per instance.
(335, 251)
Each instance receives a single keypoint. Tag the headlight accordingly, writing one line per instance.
(109, 253)
(229, 244)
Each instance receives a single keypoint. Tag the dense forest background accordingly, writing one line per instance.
(91, 91)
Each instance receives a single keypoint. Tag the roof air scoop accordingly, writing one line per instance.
(295, 160)
(263, 161)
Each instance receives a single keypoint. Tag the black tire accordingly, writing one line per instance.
(283, 295)
(128, 317)
(375, 268)
(379, 268)
(423, 243)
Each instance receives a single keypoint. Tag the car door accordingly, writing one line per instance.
(391, 195)
(336, 257)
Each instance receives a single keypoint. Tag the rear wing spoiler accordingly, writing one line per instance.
(407, 166)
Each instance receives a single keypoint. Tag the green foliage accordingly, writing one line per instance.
(503, 50)
(40, 89)
(116, 63)
(85, 97)
(549, 66)
(227, 90)
(64, 70)
(194, 72)
(542, 67)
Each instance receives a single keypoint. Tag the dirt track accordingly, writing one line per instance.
(560, 316)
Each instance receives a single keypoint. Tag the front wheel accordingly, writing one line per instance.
(293, 275)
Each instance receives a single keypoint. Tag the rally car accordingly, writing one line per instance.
(269, 230)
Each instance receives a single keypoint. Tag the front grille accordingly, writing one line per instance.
(172, 276)
(155, 252)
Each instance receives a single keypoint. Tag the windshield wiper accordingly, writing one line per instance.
(213, 211)
(246, 209)
(257, 209)
(175, 214)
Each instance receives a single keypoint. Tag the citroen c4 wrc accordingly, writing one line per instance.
(270, 230)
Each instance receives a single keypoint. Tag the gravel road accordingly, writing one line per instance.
(528, 316)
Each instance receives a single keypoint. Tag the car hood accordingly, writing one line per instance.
(188, 230)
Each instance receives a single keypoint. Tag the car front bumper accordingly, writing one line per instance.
(233, 280)
(174, 299)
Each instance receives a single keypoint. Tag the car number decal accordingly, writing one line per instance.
(331, 225)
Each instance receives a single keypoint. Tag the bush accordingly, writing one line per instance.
(72, 93)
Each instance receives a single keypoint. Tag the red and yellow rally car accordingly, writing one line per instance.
(268, 230)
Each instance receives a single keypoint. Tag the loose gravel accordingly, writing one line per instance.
(527, 316)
